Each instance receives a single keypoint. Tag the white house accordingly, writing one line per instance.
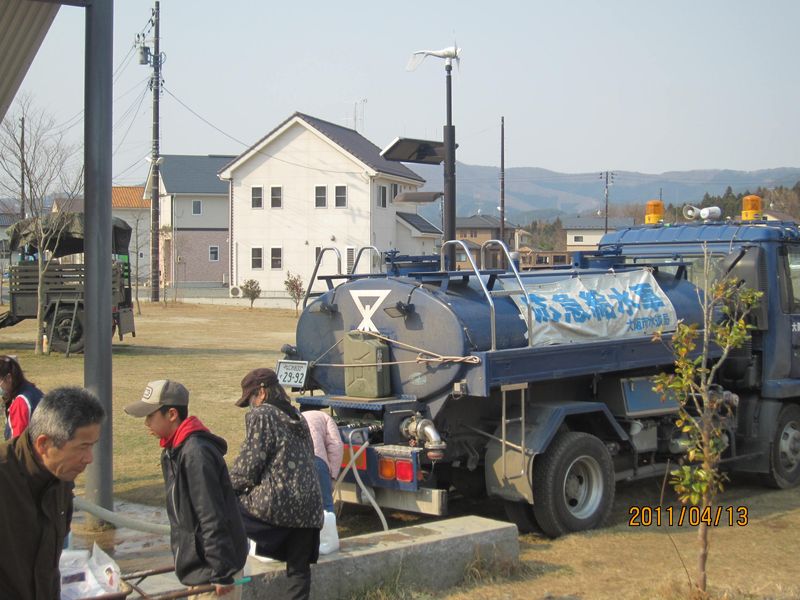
(310, 184)
(194, 219)
(584, 233)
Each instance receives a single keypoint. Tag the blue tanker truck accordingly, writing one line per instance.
(535, 387)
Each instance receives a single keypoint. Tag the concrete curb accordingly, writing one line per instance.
(433, 556)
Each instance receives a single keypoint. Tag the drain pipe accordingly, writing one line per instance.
(119, 520)
(424, 429)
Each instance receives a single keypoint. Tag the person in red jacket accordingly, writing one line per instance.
(20, 396)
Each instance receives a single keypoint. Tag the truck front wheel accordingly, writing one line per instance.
(784, 463)
(573, 484)
(61, 331)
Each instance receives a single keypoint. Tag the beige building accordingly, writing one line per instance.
(477, 229)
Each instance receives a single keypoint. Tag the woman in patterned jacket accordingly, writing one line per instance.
(275, 478)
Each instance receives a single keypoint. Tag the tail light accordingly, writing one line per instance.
(404, 471)
(361, 461)
(386, 468)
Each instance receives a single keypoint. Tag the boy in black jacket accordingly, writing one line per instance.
(208, 540)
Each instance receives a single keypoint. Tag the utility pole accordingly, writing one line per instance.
(155, 59)
(502, 184)
(22, 167)
(609, 178)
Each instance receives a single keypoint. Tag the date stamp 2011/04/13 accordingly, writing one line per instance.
(656, 516)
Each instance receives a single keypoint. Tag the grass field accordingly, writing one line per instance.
(210, 348)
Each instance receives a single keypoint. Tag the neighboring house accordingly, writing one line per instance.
(62, 204)
(128, 204)
(310, 184)
(477, 229)
(776, 215)
(6, 258)
(194, 209)
(584, 233)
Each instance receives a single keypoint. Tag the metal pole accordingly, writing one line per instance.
(450, 172)
(97, 215)
(155, 224)
(502, 185)
(606, 211)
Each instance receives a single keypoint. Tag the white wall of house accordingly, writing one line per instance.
(583, 239)
(283, 233)
(408, 237)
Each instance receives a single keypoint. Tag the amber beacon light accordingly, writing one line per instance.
(654, 212)
(751, 208)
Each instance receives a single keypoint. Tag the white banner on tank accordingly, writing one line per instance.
(604, 306)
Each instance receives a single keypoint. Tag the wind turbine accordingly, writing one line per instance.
(453, 53)
(449, 54)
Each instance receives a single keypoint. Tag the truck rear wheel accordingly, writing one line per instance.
(573, 484)
(61, 331)
(784, 460)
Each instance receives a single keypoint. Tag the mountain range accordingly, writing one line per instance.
(533, 193)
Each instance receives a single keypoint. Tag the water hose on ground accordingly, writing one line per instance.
(119, 520)
(350, 465)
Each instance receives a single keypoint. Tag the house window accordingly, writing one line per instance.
(213, 253)
(276, 197)
(395, 191)
(560, 259)
(341, 196)
(257, 197)
(197, 207)
(276, 258)
(577, 238)
(473, 233)
(382, 192)
(461, 257)
(351, 257)
(321, 196)
(256, 258)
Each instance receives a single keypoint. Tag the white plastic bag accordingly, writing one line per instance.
(84, 576)
(329, 536)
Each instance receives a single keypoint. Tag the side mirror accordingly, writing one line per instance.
(748, 267)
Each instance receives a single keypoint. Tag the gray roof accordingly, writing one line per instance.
(8, 219)
(351, 141)
(596, 223)
(480, 222)
(418, 222)
(188, 174)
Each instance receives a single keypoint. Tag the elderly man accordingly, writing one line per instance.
(37, 471)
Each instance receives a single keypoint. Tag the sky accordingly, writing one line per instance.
(583, 85)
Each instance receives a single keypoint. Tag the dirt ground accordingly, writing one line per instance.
(210, 348)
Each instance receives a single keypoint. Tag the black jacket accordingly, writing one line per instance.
(35, 512)
(207, 536)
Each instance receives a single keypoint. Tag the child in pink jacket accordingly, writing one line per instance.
(328, 451)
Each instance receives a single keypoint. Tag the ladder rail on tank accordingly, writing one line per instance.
(311, 281)
(504, 292)
(358, 257)
(486, 292)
